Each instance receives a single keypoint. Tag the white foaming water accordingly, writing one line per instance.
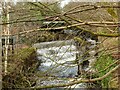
(58, 59)
(61, 54)
(60, 49)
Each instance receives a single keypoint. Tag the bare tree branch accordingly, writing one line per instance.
(80, 81)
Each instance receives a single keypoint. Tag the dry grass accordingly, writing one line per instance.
(109, 43)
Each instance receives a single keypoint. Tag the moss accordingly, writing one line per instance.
(25, 53)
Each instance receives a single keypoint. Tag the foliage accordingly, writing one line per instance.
(21, 73)
(112, 12)
(103, 62)
(21, 70)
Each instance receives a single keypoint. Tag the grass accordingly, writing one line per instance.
(21, 69)
(103, 62)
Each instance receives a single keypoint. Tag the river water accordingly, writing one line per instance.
(58, 59)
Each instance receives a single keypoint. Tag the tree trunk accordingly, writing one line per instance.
(6, 39)
(119, 46)
(0, 48)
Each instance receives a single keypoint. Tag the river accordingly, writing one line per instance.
(58, 59)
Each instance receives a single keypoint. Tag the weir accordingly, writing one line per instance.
(60, 56)
(68, 59)
(63, 59)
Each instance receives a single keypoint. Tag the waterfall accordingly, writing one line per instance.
(59, 59)
(59, 55)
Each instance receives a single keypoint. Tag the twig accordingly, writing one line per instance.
(79, 81)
